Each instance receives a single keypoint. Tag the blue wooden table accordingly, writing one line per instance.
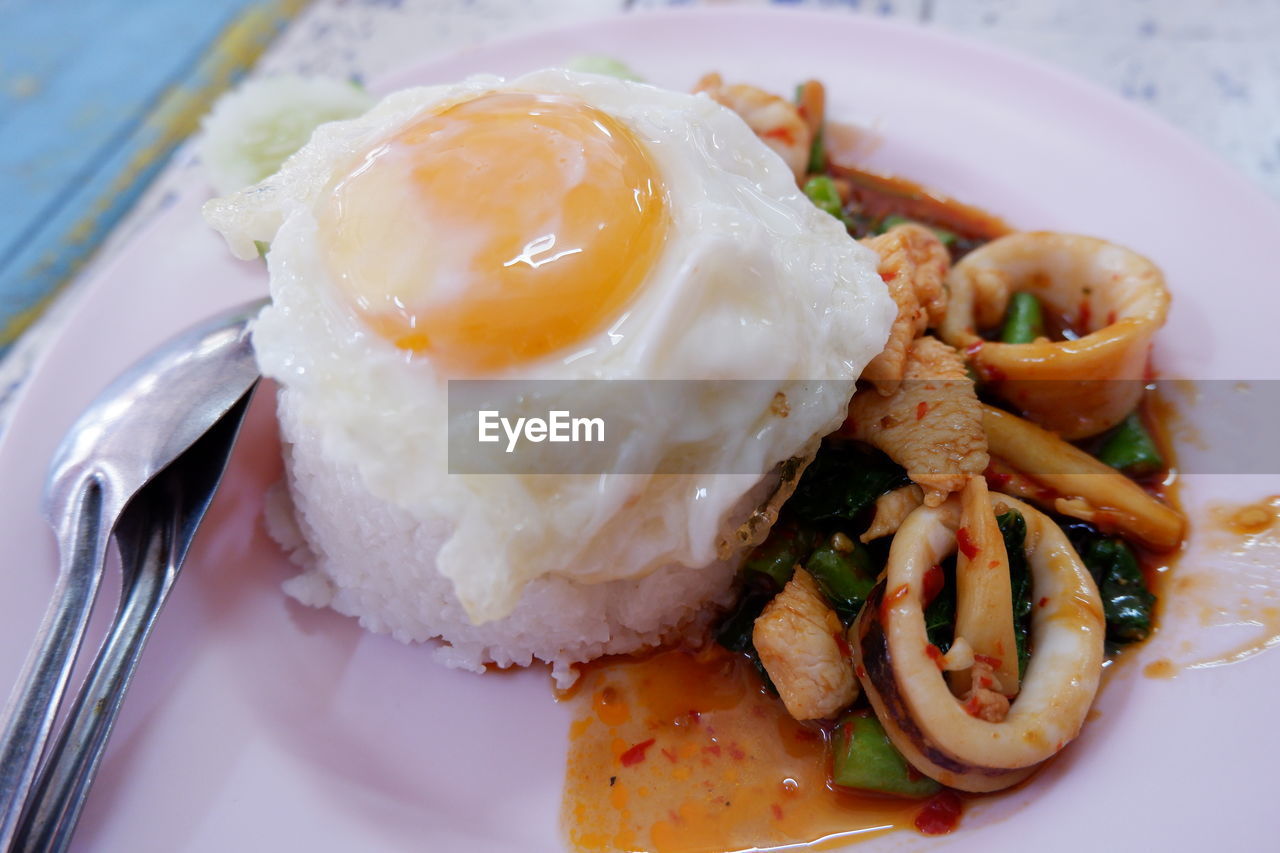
(94, 95)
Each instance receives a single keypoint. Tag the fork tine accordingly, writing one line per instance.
(34, 703)
(60, 789)
(153, 534)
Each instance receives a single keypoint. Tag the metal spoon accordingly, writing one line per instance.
(144, 421)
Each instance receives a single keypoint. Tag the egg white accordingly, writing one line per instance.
(753, 282)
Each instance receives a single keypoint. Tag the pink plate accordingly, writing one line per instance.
(255, 723)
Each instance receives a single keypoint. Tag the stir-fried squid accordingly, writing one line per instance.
(1113, 297)
(938, 732)
(980, 643)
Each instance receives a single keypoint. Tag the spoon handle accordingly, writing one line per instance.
(33, 706)
(60, 793)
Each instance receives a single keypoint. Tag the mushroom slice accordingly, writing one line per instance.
(1115, 297)
(1081, 485)
(906, 687)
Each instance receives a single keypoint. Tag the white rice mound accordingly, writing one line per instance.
(375, 561)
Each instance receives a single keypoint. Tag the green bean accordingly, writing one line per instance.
(1023, 320)
(822, 191)
(1131, 449)
(842, 568)
(864, 757)
(778, 555)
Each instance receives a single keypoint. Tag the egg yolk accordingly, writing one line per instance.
(497, 230)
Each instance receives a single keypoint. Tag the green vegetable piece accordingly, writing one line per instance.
(263, 247)
(735, 631)
(822, 191)
(865, 758)
(1023, 320)
(595, 63)
(817, 150)
(1013, 528)
(818, 153)
(1126, 602)
(948, 238)
(845, 574)
(1131, 449)
(842, 481)
(940, 614)
(893, 220)
(778, 555)
(253, 129)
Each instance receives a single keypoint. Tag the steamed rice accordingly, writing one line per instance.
(372, 560)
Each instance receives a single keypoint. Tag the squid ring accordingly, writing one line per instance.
(922, 717)
(1114, 296)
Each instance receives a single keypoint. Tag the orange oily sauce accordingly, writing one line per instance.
(1244, 533)
(1248, 521)
(1241, 598)
(683, 752)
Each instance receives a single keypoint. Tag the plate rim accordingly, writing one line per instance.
(102, 275)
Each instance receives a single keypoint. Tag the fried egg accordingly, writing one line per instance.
(566, 226)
